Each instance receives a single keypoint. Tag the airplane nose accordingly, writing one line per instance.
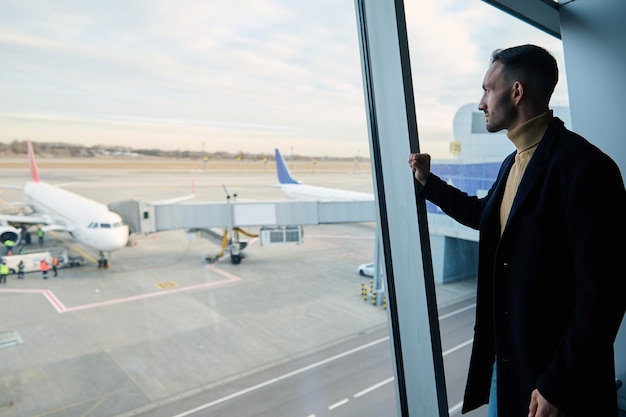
(123, 237)
(117, 239)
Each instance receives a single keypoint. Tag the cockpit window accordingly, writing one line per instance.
(94, 225)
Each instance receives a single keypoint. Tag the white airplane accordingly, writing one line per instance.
(295, 190)
(89, 222)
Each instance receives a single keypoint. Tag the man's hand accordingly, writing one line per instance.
(420, 165)
(540, 407)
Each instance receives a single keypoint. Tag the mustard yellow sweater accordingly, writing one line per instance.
(525, 137)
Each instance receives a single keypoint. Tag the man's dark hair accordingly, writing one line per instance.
(532, 65)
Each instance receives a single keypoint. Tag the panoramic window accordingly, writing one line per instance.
(233, 137)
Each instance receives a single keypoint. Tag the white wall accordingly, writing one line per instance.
(594, 45)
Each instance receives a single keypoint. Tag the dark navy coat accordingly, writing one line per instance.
(552, 289)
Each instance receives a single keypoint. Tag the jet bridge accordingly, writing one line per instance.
(454, 247)
(143, 217)
(280, 222)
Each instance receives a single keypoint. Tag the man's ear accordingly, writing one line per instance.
(517, 91)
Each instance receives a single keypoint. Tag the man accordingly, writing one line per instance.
(20, 269)
(55, 264)
(9, 244)
(44, 266)
(4, 271)
(549, 299)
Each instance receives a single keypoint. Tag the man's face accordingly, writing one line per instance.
(496, 101)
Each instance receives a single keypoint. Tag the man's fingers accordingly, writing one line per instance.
(532, 408)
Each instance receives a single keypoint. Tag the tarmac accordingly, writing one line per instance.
(161, 323)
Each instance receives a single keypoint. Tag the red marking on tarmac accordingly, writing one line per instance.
(17, 290)
(60, 308)
(149, 295)
(58, 305)
(54, 301)
(231, 277)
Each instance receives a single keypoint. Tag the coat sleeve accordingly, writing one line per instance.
(457, 204)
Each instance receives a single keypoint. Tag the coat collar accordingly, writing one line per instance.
(536, 169)
(534, 174)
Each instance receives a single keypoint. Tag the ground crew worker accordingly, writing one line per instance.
(44, 266)
(9, 245)
(4, 271)
(55, 263)
(40, 234)
(20, 270)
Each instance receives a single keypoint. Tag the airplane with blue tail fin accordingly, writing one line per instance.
(298, 191)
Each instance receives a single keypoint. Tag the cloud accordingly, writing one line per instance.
(233, 75)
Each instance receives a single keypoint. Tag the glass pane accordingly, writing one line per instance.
(171, 325)
(450, 49)
(151, 100)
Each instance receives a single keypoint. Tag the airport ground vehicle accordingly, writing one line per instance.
(366, 270)
(31, 261)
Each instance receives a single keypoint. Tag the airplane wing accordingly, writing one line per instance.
(10, 187)
(25, 219)
(45, 222)
(67, 184)
(176, 200)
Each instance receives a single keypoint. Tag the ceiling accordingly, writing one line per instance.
(543, 14)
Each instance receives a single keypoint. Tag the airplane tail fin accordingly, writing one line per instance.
(34, 173)
(284, 177)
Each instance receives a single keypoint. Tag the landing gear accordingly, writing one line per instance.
(236, 255)
(236, 247)
(103, 262)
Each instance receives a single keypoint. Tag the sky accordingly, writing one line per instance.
(238, 75)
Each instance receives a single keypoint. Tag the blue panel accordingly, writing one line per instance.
(466, 177)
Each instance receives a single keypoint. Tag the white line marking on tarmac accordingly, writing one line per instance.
(279, 378)
(373, 387)
(338, 404)
(230, 278)
(307, 368)
(457, 347)
(455, 408)
(460, 310)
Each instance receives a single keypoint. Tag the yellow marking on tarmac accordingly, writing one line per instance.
(166, 284)
(74, 247)
(95, 407)
(9, 205)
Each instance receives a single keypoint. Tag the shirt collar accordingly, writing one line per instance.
(529, 134)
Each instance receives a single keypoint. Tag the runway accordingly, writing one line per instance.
(163, 333)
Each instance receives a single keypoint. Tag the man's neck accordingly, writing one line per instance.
(530, 132)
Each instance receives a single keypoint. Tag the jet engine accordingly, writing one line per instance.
(9, 233)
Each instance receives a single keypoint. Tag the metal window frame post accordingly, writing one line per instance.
(412, 304)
